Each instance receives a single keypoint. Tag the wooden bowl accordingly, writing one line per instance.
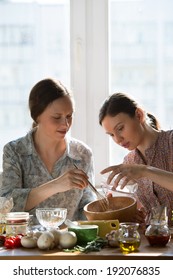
(122, 208)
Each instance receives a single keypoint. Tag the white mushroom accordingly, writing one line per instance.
(56, 233)
(29, 241)
(68, 239)
(46, 241)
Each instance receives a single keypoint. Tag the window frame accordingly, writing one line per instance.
(89, 44)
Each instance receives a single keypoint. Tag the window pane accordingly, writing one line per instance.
(34, 44)
(142, 57)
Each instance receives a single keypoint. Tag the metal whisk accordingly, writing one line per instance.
(102, 199)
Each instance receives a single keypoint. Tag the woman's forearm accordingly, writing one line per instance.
(74, 178)
(159, 176)
(128, 172)
(39, 194)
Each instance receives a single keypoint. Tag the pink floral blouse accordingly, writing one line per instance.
(159, 155)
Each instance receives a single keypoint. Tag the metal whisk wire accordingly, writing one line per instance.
(102, 199)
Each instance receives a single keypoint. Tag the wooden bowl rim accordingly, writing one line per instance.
(134, 202)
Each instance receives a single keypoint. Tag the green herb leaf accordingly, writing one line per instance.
(95, 245)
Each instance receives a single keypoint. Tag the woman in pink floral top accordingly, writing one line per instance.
(130, 127)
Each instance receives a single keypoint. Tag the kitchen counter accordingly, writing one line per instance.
(145, 252)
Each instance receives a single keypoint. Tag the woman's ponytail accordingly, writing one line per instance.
(153, 121)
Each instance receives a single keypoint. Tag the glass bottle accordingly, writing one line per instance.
(158, 233)
(129, 237)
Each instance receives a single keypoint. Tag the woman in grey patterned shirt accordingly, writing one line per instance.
(38, 169)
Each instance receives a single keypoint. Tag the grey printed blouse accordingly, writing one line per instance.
(23, 170)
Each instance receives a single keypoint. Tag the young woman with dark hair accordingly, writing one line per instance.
(132, 128)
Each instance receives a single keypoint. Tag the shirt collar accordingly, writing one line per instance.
(71, 148)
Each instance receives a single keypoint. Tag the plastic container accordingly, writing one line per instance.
(17, 223)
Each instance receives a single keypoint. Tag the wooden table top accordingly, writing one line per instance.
(145, 252)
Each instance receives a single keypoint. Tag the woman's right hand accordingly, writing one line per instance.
(73, 178)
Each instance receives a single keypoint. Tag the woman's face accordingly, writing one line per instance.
(124, 130)
(56, 119)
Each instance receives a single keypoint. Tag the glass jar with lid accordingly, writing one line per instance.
(17, 223)
(158, 233)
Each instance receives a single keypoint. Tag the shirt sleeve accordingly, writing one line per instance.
(12, 185)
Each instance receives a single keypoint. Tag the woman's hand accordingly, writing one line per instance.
(126, 173)
(140, 216)
(74, 178)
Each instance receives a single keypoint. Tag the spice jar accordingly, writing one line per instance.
(129, 237)
(157, 233)
(17, 223)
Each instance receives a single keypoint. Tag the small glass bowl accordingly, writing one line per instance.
(51, 217)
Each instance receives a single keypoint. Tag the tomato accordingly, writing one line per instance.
(13, 241)
(17, 241)
(9, 243)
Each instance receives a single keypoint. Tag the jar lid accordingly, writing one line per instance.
(17, 216)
